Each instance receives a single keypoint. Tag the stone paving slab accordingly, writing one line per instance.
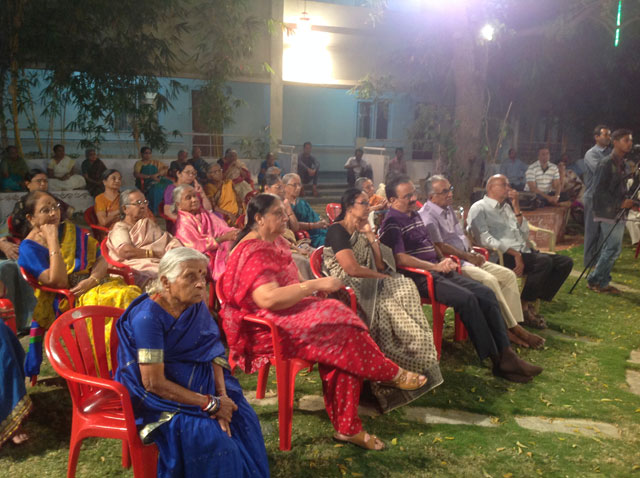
(572, 426)
(633, 379)
(270, 398)
(431, 415)
(634, 357)
(546, 333)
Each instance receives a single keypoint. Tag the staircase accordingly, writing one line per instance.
(331, 187)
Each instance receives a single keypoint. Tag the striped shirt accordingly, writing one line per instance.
(407, 234)
(543, 179)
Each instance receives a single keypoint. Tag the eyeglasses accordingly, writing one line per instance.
(446, 191)
(409, 196)
(294, 185)
(190, 172)
(48, 210)
(139, 203)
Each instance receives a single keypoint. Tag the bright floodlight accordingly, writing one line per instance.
(487, 32)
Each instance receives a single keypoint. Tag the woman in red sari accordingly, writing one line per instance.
(261, 278)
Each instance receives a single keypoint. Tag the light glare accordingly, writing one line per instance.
(487, 32)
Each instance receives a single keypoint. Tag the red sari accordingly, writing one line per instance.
(318, 330)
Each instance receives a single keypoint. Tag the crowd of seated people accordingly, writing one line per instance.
(259, 266)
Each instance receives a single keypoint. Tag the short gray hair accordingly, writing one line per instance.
(171, 266)
(430, 181)
(288, 177)
(360, 182)
(125, 198)
(177, 195)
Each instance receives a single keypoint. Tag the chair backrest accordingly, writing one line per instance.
(333, 210)
(315, 261)
(76, 344)
(12, 230)
(104, 250)
(240, 221)
(10, 316)
(33, 282)
(219, 293)
(90, 216)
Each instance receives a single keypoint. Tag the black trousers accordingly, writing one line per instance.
(545, 274)
(304, 175)
(477, 305)
(352, 176)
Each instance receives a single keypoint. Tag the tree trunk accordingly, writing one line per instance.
(469, 65)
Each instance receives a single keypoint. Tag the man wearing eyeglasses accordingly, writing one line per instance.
(447, 235)
(499, 225)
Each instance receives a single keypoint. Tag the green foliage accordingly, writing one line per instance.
(258, 147)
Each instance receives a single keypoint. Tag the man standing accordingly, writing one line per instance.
(494, 224)
(357, 168)
(447, 235)
(404, 232)
(308, 168)
(515, 170)
(609, 191)
(397, 164)
(602, 135)
(543, 178)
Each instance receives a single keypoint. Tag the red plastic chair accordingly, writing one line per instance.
(101, 406)
(10, 319)
(333, 209)
(91, 219)
(122, 269)
(302, 235)
(286, 371)
(315, 261)
(438, 310)
(240, 221)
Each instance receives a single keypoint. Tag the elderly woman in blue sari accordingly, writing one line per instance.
(61, 255)
(184, 398)
(308, 219)
(15, 404)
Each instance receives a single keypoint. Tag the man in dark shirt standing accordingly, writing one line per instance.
(608, 199)
(308, 168)
(405, 233)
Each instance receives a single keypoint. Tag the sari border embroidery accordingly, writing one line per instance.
(10, 424)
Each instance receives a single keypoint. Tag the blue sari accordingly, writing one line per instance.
(15, 404)
(191, 444)
(305, 213)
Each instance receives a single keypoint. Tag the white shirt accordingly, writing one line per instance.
(543, 179)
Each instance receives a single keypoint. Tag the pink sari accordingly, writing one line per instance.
(198, 231)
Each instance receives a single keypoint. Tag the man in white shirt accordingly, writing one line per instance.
(357, 167)
(543, 178)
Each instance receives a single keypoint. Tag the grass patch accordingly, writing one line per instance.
(584, 377)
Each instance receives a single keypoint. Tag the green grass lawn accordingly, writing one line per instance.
(583, 378)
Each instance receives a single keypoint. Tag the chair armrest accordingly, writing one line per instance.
(426, 274)
(483, 251)
(98, 227)
(302, 235)
(456, 259)
(125, 273)
(552, 239)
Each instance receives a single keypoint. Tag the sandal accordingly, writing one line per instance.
(359, 440)
(609, 289)
(406, 381)
(533, 320)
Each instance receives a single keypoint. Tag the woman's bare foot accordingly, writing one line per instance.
(514, 338)
(361, 439)
(532, 340)
(19, 437)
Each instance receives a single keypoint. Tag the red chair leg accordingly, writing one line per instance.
(285, 400)
(460, 331)
(637, 249)
(74, 452)
(126, 456)
(145, 460)
(263, 378)
(438, 324)
(34, 380)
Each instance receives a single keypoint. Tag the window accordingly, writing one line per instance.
(373, 120)
(121, 122)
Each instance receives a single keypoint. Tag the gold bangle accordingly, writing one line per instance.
(53, 253)
(149, 253)
(95, 280)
